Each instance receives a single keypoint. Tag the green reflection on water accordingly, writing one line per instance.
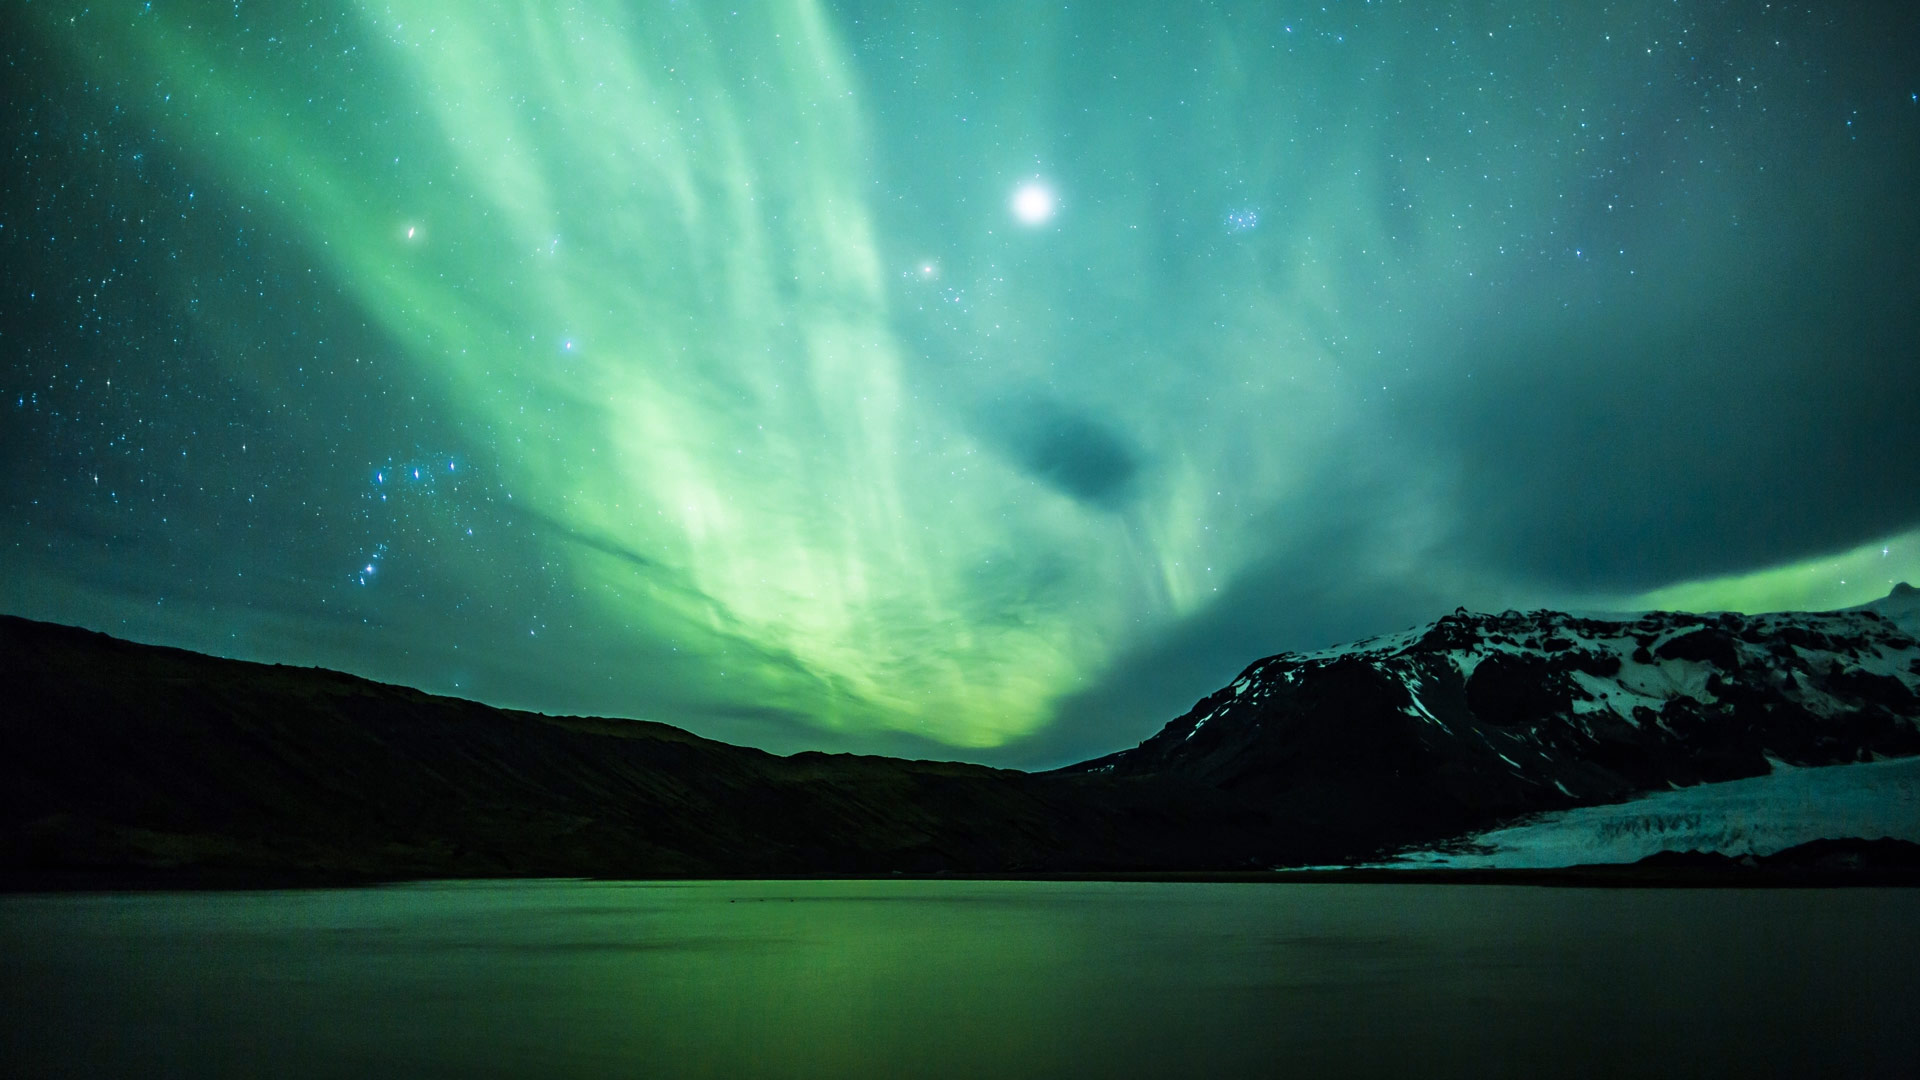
(932, 978)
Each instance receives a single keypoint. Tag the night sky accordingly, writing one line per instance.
(982, 380)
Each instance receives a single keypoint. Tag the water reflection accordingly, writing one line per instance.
(730, 979)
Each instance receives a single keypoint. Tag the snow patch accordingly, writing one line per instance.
(1756, 816)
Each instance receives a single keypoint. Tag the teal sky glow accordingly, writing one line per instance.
(958, 380)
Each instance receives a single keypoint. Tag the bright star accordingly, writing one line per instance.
(1033, 203)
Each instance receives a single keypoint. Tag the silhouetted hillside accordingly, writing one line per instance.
(125, 756)
(118, 759)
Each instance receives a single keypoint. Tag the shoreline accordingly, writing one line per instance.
(1605, 876)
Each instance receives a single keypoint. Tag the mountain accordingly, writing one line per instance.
(1900, 607)
(126, 759)
(1445, 729)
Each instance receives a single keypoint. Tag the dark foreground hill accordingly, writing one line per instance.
(124, 759)
(116, 756)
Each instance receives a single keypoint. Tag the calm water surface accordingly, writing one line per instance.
(927, 978)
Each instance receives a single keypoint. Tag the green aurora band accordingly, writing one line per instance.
(784, 383)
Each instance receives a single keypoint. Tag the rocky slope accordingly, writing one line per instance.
(117, 758)
(1442, 729)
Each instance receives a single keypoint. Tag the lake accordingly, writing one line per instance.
(960, 979)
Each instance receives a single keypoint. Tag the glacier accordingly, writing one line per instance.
(1756, 816)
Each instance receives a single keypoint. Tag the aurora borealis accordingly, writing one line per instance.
(982, 381)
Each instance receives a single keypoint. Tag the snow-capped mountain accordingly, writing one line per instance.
(1481, 718)
(1900, 607)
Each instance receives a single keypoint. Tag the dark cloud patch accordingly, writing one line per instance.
(1070, 449)
(599, 542)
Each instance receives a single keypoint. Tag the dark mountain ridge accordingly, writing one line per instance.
(125, 758)
(115, 755)
(1481, 717)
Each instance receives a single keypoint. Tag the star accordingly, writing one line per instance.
(1033, 203)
